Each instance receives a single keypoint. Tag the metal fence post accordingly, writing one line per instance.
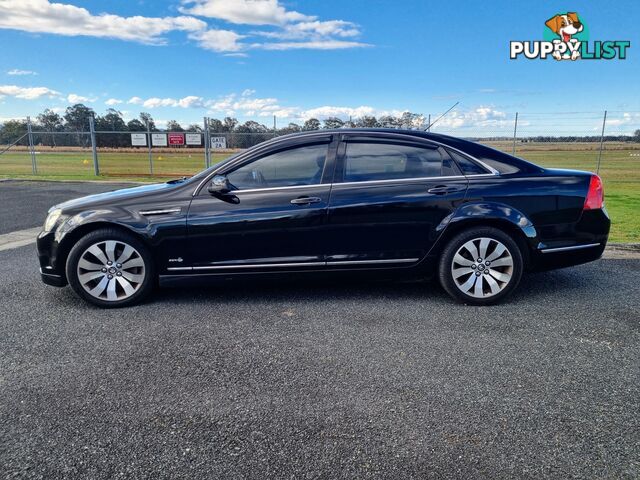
(149, 147)
(94, 150)
(604, 121)
(515, 133)
(32, 152)
(207, 139)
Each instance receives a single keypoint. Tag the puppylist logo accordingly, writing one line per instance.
(566, 37)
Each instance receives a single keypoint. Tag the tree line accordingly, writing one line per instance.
(71, 128)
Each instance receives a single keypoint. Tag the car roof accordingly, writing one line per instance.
(330, 131)
(499, 161)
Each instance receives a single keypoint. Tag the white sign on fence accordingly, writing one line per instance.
(138, 139)
(159, 139)
(194, 139)
(218, 143)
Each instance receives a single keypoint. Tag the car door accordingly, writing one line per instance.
(273, 216)
(389, 200)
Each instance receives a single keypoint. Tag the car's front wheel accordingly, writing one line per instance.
(110, 268)
(481, 266)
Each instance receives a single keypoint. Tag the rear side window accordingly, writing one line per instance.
(467, 166)
(386, 161)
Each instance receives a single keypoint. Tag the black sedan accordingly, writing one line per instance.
(364, 201)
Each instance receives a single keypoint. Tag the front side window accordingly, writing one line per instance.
(287, 168)
(386, 161)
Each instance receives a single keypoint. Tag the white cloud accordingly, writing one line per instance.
(340, 112)
(246, 12)
(302, 31)
(17, 71)
(481, 116)
(27, 93)
(190, 101)
(42, 16)
(317, 28)
(218, 40)
(625, 119)
(294, 30)
(311, 45)
(74, 98)
(246, 104)
(113, 101)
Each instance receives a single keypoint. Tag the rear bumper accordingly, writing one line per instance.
(575, 244)
(569, 256)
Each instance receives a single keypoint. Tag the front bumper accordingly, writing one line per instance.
(50, 272)
(53, 279)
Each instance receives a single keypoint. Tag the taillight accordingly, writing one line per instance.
(595, 195)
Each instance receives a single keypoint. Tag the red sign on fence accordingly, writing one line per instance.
(176, 139)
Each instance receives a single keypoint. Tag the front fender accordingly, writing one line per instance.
(162, 233)
(111, 216)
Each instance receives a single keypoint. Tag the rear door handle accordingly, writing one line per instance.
(444, 189)
(305, 200)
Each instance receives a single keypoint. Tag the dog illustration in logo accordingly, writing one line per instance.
(565, 26)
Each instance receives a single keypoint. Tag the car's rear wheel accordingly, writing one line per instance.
(481, 266)
(110, 268)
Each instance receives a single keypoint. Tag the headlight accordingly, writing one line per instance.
(52, 219)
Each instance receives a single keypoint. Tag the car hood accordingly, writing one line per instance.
(108, 197)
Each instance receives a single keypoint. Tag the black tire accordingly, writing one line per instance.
(446, 267)
(146, 272)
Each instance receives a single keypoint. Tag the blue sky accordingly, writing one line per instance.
(182, 60)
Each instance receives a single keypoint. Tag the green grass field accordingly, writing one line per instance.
(620, 171)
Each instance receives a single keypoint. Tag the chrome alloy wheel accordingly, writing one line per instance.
(482, 267)
(111, 270)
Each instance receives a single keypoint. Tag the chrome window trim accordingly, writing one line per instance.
(572, 247)
(258, 151)
(400, 180)
(492, 170)
(365, 182)
(381, 135)
(252, 190)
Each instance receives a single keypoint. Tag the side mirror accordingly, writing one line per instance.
(219, 185)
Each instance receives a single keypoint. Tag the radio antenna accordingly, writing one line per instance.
(433, 123)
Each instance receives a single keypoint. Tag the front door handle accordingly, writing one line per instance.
(444, 189)
(305, 200)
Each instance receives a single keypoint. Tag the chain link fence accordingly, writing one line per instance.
(584, 140)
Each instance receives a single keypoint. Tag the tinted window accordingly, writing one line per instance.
(382, 161)
(468, 167)
(297, 166)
